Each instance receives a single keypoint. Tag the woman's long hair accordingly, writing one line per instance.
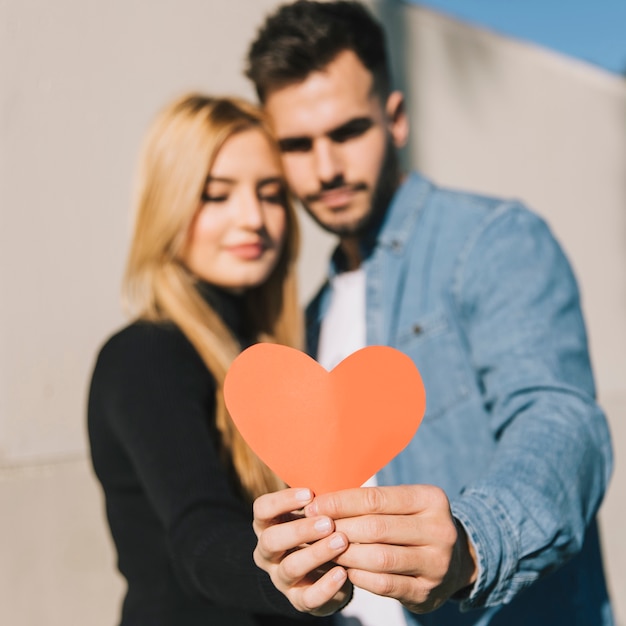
(177, 155)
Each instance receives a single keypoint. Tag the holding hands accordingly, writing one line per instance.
(401, 542)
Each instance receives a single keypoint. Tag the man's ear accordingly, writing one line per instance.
(397, 118)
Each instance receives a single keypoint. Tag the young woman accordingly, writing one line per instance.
(210, 271)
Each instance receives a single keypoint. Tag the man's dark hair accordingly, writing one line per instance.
(306, 36)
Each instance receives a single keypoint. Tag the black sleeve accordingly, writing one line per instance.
(158, 397)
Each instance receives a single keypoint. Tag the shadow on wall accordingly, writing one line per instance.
(466, 53)
(391, 14)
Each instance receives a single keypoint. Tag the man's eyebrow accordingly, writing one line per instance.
(355, 126)
(352, 128)
(295, 144)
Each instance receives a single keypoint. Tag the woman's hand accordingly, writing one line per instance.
(298, 552)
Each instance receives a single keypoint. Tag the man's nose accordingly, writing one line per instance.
(327, 160)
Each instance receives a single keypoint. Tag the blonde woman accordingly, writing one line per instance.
(210, 271)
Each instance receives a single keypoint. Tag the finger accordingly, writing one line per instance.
(418, 595)
(394, 500)
(269, 507)
(323, 591)
(403, 530)
(388, 585)
(393, 529)
(296, 566)
(281, 538)
(383, 559)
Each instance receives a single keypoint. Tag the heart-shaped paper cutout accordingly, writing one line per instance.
(325, 430)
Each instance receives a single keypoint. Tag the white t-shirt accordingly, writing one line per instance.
(343, 326)
(342, 333)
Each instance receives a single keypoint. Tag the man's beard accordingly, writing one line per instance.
(384, 190)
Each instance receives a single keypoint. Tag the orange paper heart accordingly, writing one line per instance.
(325, 430)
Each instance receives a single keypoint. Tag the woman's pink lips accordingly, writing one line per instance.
(248, 251)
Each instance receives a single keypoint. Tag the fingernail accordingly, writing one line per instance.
(339, 575)
(303, 495)
(323, 525)
(337, 542)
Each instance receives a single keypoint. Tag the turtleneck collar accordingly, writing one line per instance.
(231, 307)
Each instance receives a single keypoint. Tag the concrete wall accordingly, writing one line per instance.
(80, 81)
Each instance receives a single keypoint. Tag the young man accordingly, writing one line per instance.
(495, 498)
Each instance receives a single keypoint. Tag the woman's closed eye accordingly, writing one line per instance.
(217, 190)
(207, 197)
(273, 192)
(273, 198)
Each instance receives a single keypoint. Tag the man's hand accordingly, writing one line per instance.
(298, 552)
(404, 543)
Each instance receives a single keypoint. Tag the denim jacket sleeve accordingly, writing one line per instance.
(521, 316)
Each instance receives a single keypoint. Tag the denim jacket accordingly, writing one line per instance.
(479, 294)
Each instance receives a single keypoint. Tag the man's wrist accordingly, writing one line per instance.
(468, 568)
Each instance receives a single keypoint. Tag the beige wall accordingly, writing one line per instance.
(78, 84)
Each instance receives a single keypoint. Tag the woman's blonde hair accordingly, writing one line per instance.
(177, 155)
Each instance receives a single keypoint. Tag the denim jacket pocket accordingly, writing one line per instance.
(433, 344)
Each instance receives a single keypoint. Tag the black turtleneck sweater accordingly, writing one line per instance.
(183, 535)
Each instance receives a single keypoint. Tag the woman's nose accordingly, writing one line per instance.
(251, 213)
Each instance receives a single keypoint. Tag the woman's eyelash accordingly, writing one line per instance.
(278, 197)
(274, 197)
(209, 198)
